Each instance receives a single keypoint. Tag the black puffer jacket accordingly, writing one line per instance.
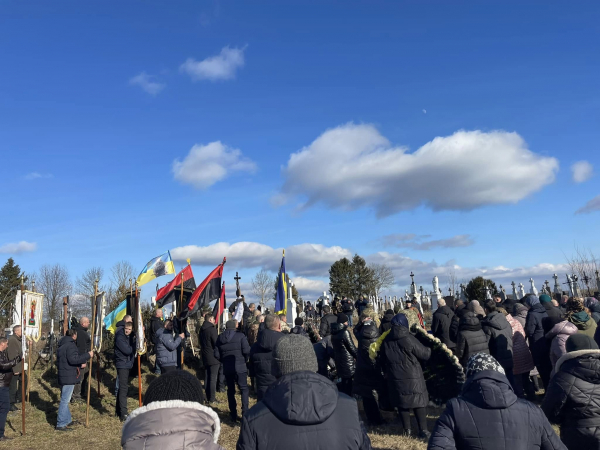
(208, 340)
(471, 338)
(326, 321)
(552, 311)
(573, 399)
(368, 377)
(232, 350)
(400, 356)
(344, 350)
(124, 349)
(69, 361)
(84, 341)
(261, 359)
(440, 325)
(361, 306)
(299, 329)
(156, 323)
(324, 351)
(303, 410)
(386, 323)
(534, 329)
(500, 339)
(6, 366)
(489, 416)
(458, 314)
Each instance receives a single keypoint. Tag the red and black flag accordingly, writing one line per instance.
(219, 305)
(166, 295)
(208, 290)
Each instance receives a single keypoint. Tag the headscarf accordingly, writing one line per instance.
(519, 311)
(482, 361)
(531, 301)
(400, 320)
(475, 308)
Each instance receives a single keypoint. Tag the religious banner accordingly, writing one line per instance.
(141, 341)
(99, 304)
(33, 308)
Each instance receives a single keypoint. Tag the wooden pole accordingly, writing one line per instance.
(23, 360)
(97, 374)
(66, 315)
(28, 365)
(181, 322)
(89, 386)
(139, 360)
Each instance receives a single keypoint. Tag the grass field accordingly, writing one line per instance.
(104, 431)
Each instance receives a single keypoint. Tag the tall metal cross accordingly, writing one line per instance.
(237, 279)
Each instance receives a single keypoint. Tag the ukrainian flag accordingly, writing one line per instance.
(282, 289)
(156, 267)
(115, 316)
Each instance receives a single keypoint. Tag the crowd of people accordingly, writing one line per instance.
(307, 378)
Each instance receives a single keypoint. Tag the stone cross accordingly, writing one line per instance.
(548, 291)
(557, 289)
(533, 289)
(521, 291)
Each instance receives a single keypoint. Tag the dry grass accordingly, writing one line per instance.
(104, 431)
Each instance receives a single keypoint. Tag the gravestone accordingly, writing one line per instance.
(291, 312)
(521, 291)
(532, 289)
(435, 294)
(557, 289)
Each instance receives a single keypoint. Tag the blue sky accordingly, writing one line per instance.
(97, 103)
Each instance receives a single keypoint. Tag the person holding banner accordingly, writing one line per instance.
(83, 344)
(15, 348)
(6, 375)
(125, 345)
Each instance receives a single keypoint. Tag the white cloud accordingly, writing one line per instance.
(416, 242)
(582, 171)
(592, 206)
(220, 67)
(16, 248)
(424, 111)
(308, 287)
(354, 166)
(206, 164)
(37, 175)
(147, 84)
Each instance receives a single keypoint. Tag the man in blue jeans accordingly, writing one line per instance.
(6, 374)
(69, 363)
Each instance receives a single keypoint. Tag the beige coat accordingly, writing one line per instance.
(173, 425)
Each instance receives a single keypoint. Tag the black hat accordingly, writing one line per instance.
(342, 318)
(231, 325)
(298, 321)
(580, 342)
(175, 385)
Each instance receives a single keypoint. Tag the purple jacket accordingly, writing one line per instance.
(559, 335)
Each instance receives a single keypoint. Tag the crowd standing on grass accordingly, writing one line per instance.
(522, 366)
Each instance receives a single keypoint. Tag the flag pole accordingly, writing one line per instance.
(89, 386)
(23, 360)
(139, 359)
(181, 309)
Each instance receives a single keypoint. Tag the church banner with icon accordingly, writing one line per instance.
(33, 307)
(100, 305)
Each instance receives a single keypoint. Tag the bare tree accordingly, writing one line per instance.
(84, 286)
(120, 274)
(452, 284)
(584, 264)
(262, 285)
(54, 283)
(383, 277)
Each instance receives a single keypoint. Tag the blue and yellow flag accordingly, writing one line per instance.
(156, 267)
(282, 289)
(115, 316)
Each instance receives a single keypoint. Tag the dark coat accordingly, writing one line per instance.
(552, 311)
(124, 349)
(156, 323)
(400, 356)
(299, 329)
(534, 329)
(208, 340)
(324, 351)
(326, 321)
(166, 348)
(573, 399)
(489, 416)
(84, 341)
(347, 307)
(344, 350)
(360, 306)
(440, 325)
(232, 350)
(471, 338)
(6, 366)
(303, 410)
(368, 377)
(386, 323)
(14, 349)
(500, 339)
(261, 360)
(69, 361)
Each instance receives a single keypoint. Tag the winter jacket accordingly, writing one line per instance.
(124, 349)
(84, 342)
(166, 348)
(471, 338)
(522, 359)
(15, 349)
(261, 360)
(400, 356)
(324, 351)
(458, 314)
(386, 323)
(172, 424)
(440, 325)
(559, 335)
(326, 321)
(573, 399)
(208, 340)
(552, 311)
(519, 313)
(347, 307)
(310, 312)
(489, 416)
(344, 350)
(298, 329)
(156, 323)
(595, 310)
(533, 324)
(368, 377)
(6, 368)
(584, 323)
(500, 344)
(360, 306)
(232, 350)
(69, 361)
(303, 410)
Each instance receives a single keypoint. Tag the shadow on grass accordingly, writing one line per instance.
(49, 408)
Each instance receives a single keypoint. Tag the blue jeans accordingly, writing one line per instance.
(349, 314)
(4, 407)
(64, 415)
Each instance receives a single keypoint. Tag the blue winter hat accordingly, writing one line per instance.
(400, 320)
